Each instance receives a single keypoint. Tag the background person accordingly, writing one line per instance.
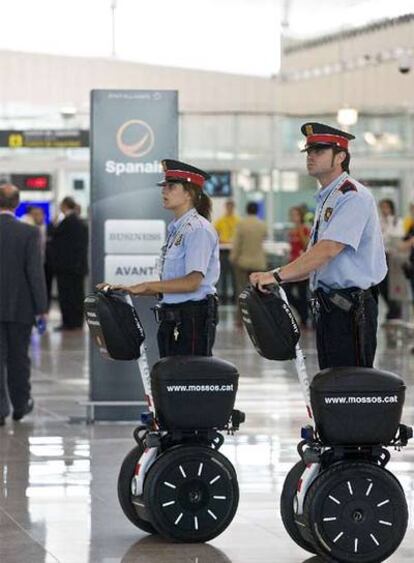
(408, 221)
(346, 259)
(22, 302)
(226, 228)
(70, 263)
(408, 245)
(38, 220)
(392, 228)
(298, 238)
(247, 254)
(190, 266)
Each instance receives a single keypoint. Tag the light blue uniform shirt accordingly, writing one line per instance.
(350, 218)
(192, 246)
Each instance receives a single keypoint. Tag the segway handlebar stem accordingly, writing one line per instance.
(144, 368)
(299, 360)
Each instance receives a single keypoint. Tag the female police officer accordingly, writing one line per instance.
(187, 311)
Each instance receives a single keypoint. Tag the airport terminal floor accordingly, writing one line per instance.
(58, 496)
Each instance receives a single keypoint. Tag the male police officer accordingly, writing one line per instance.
(345, 260)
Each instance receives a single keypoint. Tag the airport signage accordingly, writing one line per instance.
(44, 138)
(125, 236)
(131, 132)
(130, 270)
(32, 182)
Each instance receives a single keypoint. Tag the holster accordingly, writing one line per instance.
(212, 320)
(351, 301)
(176, 313)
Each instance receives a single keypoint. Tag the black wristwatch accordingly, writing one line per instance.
(276, 275)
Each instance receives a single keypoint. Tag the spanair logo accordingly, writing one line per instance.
(134, 139)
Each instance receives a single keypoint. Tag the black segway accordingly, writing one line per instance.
(339, 500)
(174, 482)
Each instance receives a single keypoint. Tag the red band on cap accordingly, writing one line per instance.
(326, 138)
(192, 177)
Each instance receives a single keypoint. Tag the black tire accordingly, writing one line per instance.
(192, 492)
(286, 507)
(357, 513)
(126, 499)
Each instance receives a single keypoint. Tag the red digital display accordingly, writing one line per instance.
(32, 182)
(37, 182)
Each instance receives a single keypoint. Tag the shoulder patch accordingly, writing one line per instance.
(348, 187)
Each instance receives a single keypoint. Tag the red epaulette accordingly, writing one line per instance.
(348, 187)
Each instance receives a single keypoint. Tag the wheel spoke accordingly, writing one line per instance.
(339, 536)
(212, 514)
(330, 519)
(215, 479)
(183, 472)
(178, 519)
(374, 539)
(169, 485)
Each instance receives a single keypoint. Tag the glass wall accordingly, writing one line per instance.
(261, 150)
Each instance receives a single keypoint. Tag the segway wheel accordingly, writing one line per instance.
(287, 512)
(357, 513)
(192, 492)
(132, 506)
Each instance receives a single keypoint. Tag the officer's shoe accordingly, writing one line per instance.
(2, 420)
(18, 415)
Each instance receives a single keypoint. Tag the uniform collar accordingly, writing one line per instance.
(327, 190)
(175, 224)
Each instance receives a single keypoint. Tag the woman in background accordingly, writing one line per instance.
(298, 238)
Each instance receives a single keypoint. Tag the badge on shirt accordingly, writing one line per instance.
(178, 240)
(328, 213)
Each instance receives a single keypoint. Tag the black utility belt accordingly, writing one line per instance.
(345, 299)
(177, 311)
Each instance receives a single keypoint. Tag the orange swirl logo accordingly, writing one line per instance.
(135, 138)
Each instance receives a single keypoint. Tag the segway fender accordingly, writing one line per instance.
(308, 477)
(144, 463)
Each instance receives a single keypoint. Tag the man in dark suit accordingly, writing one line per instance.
(23, 301)
(70, 252)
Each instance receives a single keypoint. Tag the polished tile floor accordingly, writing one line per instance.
(58, 499)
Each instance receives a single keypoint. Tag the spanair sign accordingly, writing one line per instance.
(131, 132)
(135, 139)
